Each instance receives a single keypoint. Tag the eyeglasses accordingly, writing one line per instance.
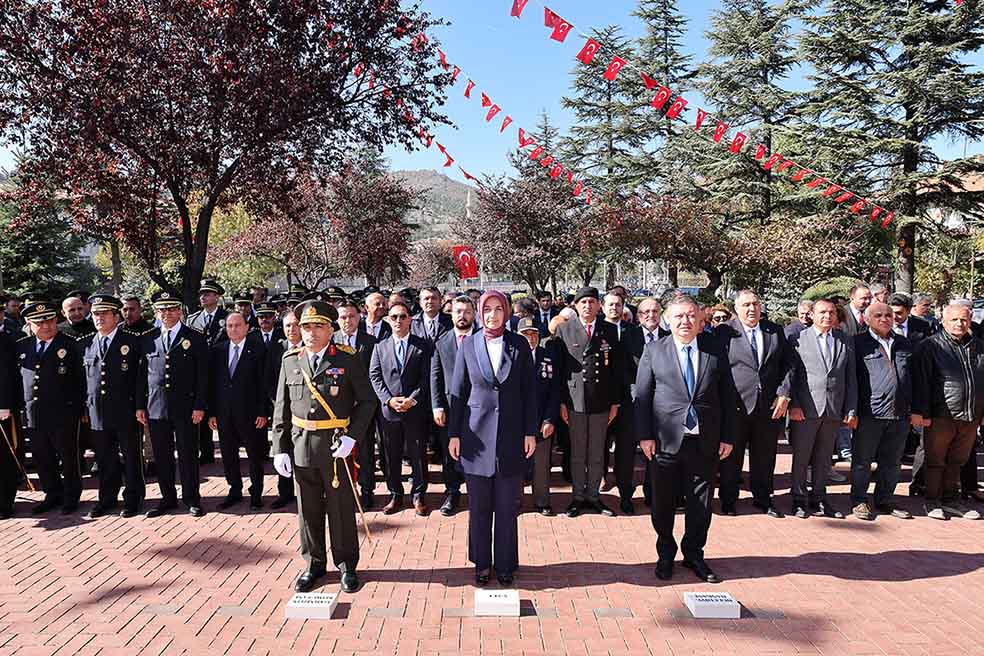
(399, 317)
(719, 317)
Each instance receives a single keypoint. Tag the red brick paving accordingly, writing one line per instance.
(218, 585)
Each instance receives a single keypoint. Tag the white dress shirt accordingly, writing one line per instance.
(903, 328)
(494, 347)
(884, 343)
(349, 340)
(232, 350)
(593, 325)
(267, 337)
(321, 357)
(396, 347)
(759, 340)
(682, 359)
(826, 344)
(373, 328)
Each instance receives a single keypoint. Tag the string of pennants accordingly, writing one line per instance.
(560, 30)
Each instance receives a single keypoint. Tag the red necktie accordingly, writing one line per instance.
(461, 338)
(588, 329)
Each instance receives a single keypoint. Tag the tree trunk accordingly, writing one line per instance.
(610, 270)
(714, 283)
(117, 263)
(905, 267)
(673, 273)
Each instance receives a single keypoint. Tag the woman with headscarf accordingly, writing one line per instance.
(492, 429)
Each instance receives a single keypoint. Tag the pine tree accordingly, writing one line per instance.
(889, 82)
(602, 141)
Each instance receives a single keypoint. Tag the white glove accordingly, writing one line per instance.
(281, 462)
(4, 415)
(344, 448)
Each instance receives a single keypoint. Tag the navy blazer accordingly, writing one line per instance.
(442, 369)
(417, 327)
(413, 382)
(493, 414)
(53, 386)
(173, 383)
(661, 400)
(549, 388)
(243, 397)
(538, 320)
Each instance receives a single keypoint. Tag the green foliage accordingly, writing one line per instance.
(839, 286)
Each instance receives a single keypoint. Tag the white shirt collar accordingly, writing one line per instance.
(818, 332)
(680, 345)
(320, 354)
(239, 343)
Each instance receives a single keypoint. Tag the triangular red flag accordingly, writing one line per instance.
(650, 82)
(455, 74)
(505, 123)
(525, 141)
(471, 85)
(495, 109)
(486, 101)
(444, 59)
(468, 176)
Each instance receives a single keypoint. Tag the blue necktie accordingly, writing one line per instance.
(691, 379)
(103, 347)
(755, 351)
(400, 355)
(234, 362)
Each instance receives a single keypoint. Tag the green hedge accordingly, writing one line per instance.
(840, 286)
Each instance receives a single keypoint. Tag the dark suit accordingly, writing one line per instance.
(758, 381)
(53, 389)
(662, 403)
(795, 327)
(366, 455)
(271, 371)
(916, 329)
(851, 326)
(111, 404)
(404, 431)
(174, 383)
(544, 326)
(77, 330)
(384, 328)
(236, 400)
(592, 372)
(621, 430)
(491, 413)
(441, 376)
(548, 395)
(418, 327)
(10, 399)
(214, 331)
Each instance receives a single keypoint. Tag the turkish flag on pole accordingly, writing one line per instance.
(464, 257)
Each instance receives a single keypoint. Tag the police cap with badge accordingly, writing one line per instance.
(162, 300)
(38, 310)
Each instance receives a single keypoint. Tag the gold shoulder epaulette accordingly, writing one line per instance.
(196, 330)
(25, 337)
(293, 351)
(345, 348)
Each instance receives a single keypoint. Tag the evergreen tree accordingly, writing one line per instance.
(889, 82)
(602, 139)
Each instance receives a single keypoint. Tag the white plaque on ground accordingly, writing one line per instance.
(312, 605)
(712, 605)
(503, 603)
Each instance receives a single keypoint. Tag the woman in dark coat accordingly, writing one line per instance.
(492, 429)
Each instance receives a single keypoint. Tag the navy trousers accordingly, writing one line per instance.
(494, 500)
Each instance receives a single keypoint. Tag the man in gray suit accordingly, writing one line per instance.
(824, 395)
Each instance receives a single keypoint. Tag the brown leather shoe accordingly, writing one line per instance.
(394, 506)
(420, 508)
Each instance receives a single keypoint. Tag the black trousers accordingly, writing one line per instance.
(316, 498)
(968, 473)
(410, 438)
(760, 434)
(165, 435)
(493, 529)
(622, 433)
(450, 474)
(366, 455)
(206, 443)
(9, 471)
(690, 473)
(56, 456)
(112, 472)
(233, 434)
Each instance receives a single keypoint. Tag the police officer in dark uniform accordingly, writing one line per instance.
(53, 386)
(314, 434)
(244, 305)
(10, 402)
(172, 393)
(111, 357)
(210, 320)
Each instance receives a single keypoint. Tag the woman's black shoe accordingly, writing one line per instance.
(482, 578)
(505, 580)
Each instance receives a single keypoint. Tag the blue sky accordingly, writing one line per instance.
(526, 72)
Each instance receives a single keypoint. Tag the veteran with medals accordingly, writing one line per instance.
(324, 406)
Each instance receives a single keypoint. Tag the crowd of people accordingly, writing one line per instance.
(495, 390)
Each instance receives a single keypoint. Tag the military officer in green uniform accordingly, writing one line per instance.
(324, 407)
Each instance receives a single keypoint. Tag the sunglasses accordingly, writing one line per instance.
(399, 317)
(719, 317)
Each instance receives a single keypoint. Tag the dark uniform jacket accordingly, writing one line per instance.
(80, 329)
(591, 369)
(10, 382)
(884, 385)
(549, 388)
(353, 399)
(364, 344)
(53, 387)
(112, 382)
(256, 336)
(213, 331)
(139, 327)
(242, 398)
(173, 383)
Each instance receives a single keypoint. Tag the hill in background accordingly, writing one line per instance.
(443, 201)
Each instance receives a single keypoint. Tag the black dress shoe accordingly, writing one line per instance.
(599, 506)
(826, 510)
(45, 506)
(230, 501)
(127, 513)
(350, 582)
(306, 581)
(196, 511)
(729, 509)
(574, 509)
(69, 508)
(450, 505)
(801, 512)
(546, 511)
(280, 502)
(625, 505)
(701, 570)
(160, 509)
(664, 570)
(482, 577)
(96, 511)
(505, 580)
(774, 512)
(256, 504)
(6, 513)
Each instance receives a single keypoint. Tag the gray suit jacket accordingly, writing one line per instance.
(822, 391)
